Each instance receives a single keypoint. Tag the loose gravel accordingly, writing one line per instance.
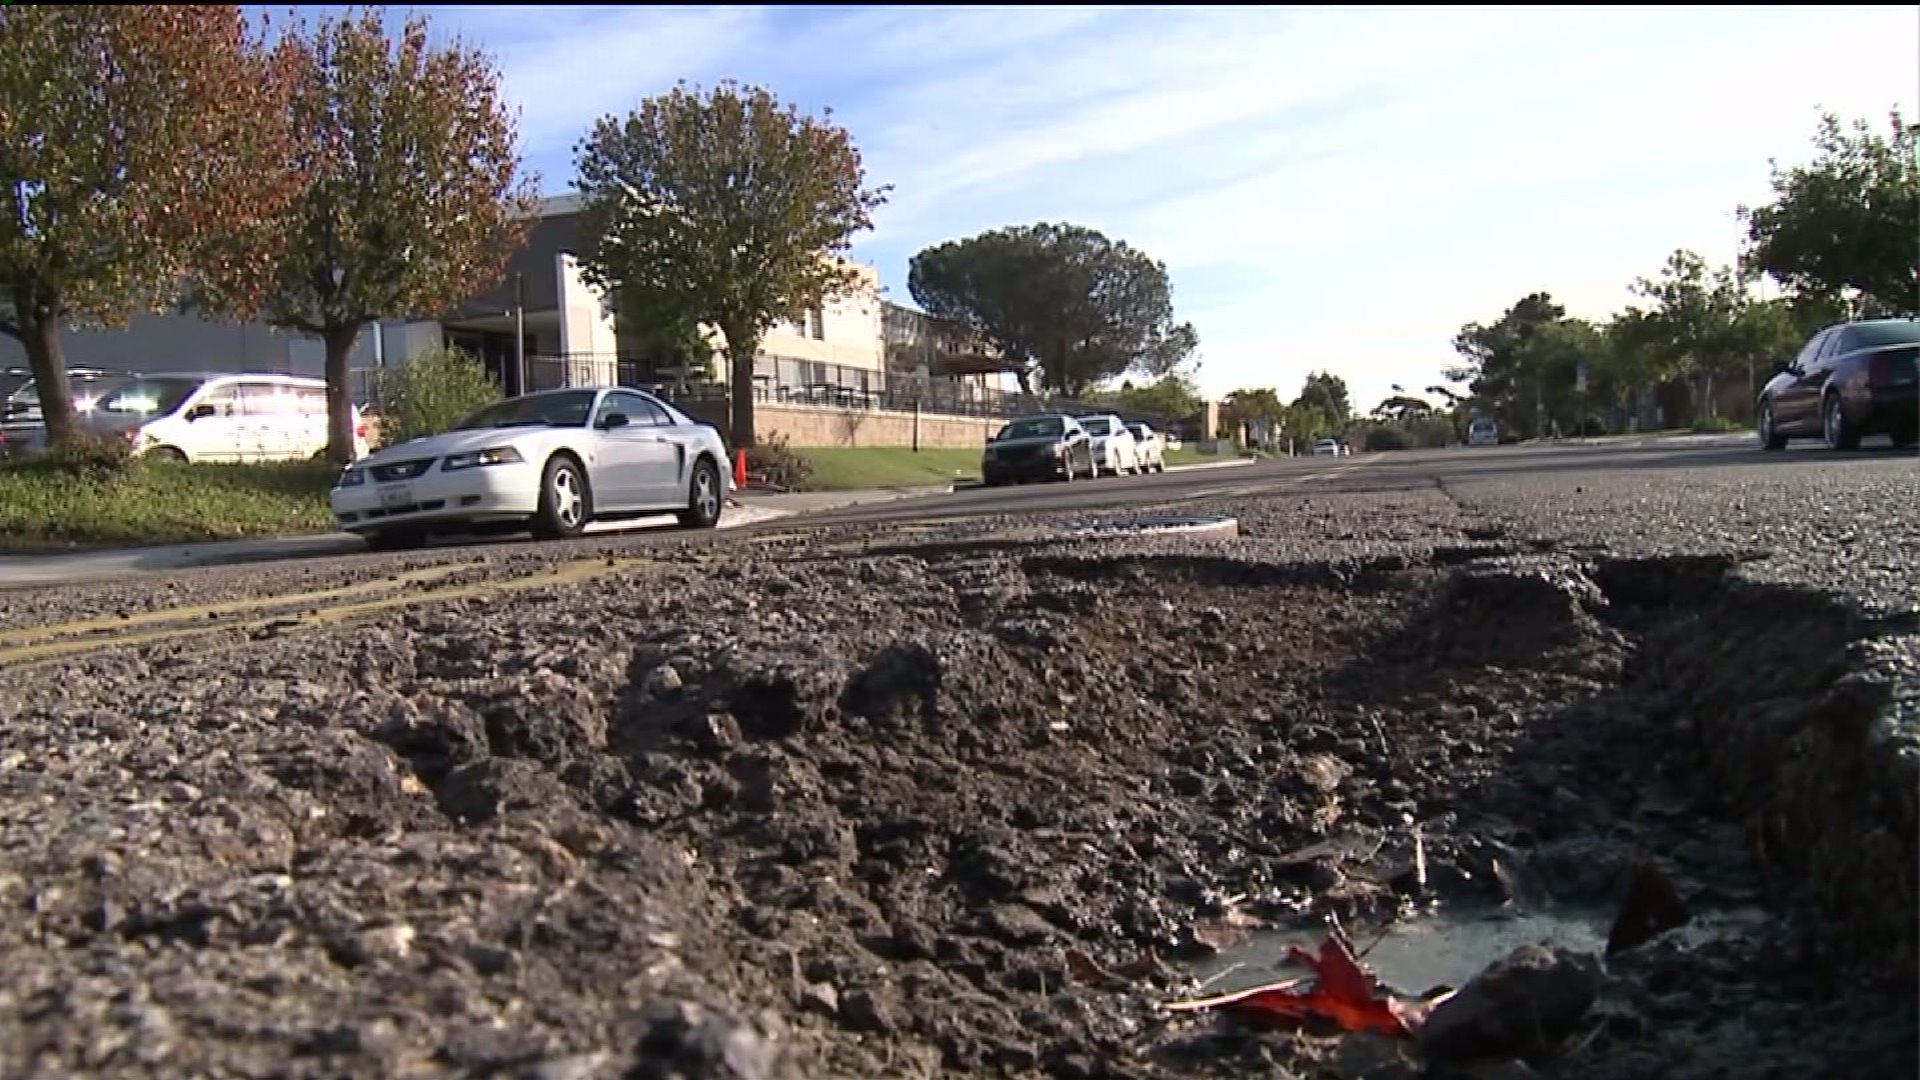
(878, 802)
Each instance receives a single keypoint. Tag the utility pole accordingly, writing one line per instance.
(520, 333)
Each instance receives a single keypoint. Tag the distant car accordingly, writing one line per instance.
(1150, 447)
(554, 460)
(1483, 432)
(1113, 445)
(210, 416)
(1041, 447)
(1331, 448)
(1851, 380)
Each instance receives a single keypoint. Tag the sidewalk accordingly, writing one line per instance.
(27, 571)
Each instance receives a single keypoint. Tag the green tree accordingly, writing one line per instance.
(1499, 371)
(1171, 397)
(413, 194)
(1400, 408)
(1326, 393)
(1844, 225)
(1693, 317)
(662, 338)
(1243, 407)
(1059, 301)
(130, 137)
(431, 392)
(726, 209)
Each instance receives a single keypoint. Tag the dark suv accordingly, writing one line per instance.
(1851, 380)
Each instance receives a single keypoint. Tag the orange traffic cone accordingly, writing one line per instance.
(740, 468)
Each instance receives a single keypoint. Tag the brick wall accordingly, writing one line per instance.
(805, 425)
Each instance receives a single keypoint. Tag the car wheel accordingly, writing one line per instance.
(395, 539)
(1839, 434)
(170, 454)
(1770, 437)
(703, 496)
(566, 504)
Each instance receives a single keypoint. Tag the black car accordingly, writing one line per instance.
(1045, 447)
(1851, 380)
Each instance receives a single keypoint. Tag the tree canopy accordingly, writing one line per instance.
(131, 138)
(1843, 225)
(412, 197)
(1171, 397)
(1060, 302)
(1325, 393)
(722, 208)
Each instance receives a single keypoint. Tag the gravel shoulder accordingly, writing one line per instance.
(936, 801)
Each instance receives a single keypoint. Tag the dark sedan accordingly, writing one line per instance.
(1043, 447)
(1851, 380)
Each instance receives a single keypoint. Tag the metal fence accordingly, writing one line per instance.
(784, 381)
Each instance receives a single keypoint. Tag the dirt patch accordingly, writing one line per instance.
(904, 815)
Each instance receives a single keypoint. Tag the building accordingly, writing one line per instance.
(854, 352)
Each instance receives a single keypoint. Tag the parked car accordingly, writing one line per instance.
(1113, 445)
(1150, 447)
(1851, 380)
(214, 417)
(1041, 447)
(1331, 448)
(1483, 431)
(554, 460)
(20, 416)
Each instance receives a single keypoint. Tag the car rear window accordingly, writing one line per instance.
(1870, 335)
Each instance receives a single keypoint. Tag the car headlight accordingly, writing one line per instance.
(350, 477)
(499, 455)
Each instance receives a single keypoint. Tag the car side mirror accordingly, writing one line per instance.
(199, 411)
(614, 420)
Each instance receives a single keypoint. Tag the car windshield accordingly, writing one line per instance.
(1033, 427)
(1869, 335)
(566, 409)
(158, 396)
(1098, 425)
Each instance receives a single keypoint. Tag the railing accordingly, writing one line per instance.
(783, 381)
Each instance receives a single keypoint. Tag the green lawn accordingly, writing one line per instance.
(846, 468)
(44, 507)
(1187, 455)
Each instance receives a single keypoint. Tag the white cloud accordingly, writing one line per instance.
(1331, 187)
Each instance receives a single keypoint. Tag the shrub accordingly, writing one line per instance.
(1385, 438)
(432, 392)
(92, 455)
(775, 463)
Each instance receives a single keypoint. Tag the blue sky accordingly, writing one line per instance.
(1331, 188)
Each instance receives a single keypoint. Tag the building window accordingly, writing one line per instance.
(817, 324)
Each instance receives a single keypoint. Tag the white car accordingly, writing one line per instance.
(1149, 446)
(1483, 432)
(1113, 447)
(215, 417)
(554, 461)
(1331, 447)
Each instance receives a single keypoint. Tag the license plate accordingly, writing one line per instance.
(394, 496)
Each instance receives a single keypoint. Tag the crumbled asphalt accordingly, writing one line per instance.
(875, 799)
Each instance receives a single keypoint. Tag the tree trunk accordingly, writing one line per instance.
(741, 347)
(340, 434)
(40, 336)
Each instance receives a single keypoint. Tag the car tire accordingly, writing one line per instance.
(1838, 434)
(566, 502)
(704, 498)
(395, 539)
(1769, 435)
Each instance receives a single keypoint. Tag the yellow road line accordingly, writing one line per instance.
(569, 573)
(235, 606)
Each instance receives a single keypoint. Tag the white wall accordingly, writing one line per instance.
(586, 327)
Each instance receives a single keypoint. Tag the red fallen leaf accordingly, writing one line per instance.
(1339, 990)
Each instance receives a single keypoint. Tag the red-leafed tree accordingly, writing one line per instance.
(130, 136)
(412, 193)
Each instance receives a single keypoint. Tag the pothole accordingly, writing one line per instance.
(914, 785)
